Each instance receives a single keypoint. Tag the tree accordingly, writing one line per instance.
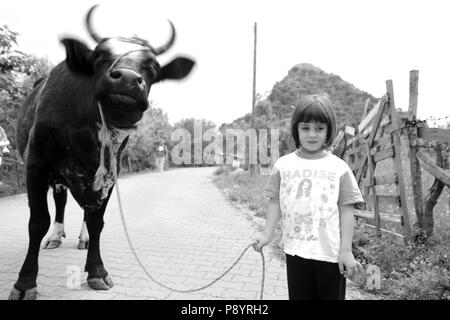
(153, 127)
(18, 71)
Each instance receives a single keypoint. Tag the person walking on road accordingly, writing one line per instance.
(4, 143)
(161, 154)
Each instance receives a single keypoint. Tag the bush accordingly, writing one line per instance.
(224, 170)
(426, 284)
(408, 272)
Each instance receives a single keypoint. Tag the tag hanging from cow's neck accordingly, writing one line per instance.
(105, 141)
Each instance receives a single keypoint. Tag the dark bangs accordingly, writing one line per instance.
(315, 112)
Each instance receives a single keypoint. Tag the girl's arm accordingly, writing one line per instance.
(273, 215)
(346, 258)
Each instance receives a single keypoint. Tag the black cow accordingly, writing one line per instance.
(72, 129)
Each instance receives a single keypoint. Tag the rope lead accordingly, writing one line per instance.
(190, 290)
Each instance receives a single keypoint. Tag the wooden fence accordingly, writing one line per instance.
(377, 151)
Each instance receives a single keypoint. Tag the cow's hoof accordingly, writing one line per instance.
(15, 294)
(82, 245)
(29, 294)
(52, 244)
(100, 284)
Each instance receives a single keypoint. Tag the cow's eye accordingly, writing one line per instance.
(102, 59)
(152, 71)
(102, 55)
(97, 54)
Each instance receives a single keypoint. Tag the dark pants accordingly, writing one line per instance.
(314, 280)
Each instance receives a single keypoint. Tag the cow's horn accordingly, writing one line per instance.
(91, 31)
(169, 43)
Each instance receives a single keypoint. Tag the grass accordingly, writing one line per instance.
(243, 188)
(409, 272)
(246, 190)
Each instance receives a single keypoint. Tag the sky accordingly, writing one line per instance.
(365, 42)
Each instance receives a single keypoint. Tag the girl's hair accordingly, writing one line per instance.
(314, 108)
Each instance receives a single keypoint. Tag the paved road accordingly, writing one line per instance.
(182, 228)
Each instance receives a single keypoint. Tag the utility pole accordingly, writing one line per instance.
(254, 78)
(253, 166)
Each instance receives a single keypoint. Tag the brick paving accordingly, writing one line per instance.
(183, 229)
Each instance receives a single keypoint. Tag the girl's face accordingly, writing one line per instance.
(312, 136)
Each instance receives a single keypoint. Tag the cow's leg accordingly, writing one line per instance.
(37, 187)
(84, 235)
(98, 278)
(60, 197)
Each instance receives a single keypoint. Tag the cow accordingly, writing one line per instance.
(72, 129)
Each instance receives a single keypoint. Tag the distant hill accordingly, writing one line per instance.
(304, 79)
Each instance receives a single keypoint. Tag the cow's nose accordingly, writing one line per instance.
(127, 75)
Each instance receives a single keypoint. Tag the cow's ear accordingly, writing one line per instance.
(177, 69)
(79, 58)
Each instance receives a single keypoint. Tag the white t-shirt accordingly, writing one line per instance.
(309, 191)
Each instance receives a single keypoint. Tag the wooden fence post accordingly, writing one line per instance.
(370, 139)
(416, 176)
(371, 172)
(395, 121)
(398, 167)
(413, 92)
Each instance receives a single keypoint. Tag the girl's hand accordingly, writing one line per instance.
(259, 241)
(348, 266)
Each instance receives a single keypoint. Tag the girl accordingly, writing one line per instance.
(317, 238)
